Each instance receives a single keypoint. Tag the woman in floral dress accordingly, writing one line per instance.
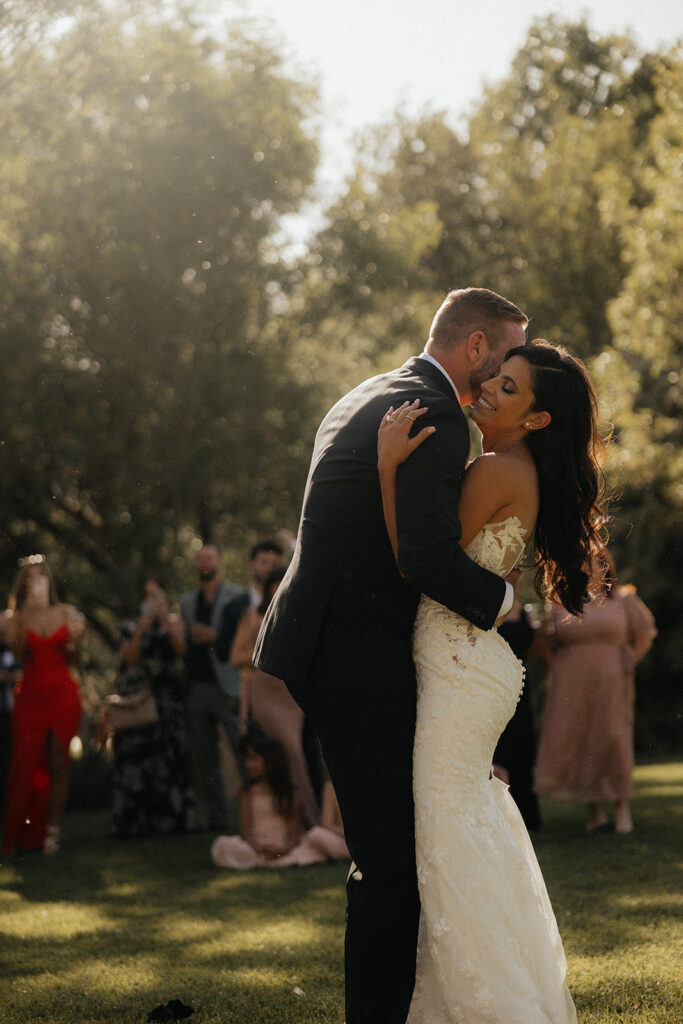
(152, 790)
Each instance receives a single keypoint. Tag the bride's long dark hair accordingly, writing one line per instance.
(568, 454)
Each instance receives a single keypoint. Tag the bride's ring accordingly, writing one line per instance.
(411, 416)
(388, 418)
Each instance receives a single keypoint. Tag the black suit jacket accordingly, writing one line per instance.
(343, 591)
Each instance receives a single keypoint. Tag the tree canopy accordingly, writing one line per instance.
(145, 169)
(165, 366)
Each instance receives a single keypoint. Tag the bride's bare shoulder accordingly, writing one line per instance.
(509, 464)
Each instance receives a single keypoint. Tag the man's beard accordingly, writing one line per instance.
(206, 575)
(490, 369)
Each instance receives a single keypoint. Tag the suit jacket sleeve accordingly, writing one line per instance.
(428, 487)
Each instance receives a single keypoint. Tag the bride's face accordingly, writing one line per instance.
(504, 407)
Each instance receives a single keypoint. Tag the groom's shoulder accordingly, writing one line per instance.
(360, 407)
(415, 377)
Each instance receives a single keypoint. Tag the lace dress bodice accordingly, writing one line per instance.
(499, 546)
(451, 654)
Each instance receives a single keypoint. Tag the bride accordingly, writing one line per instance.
(489, 950)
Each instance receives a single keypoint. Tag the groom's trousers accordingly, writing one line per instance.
(367, 737)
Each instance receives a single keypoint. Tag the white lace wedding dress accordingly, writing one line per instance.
(489, 950)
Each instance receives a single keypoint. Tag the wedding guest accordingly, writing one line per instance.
(324, 842)
(265, 557)
(213, 686)
(586, 747)
(515, 753)
(268, 701)
(244, 637)
(270, 821)
(152, 791)
(46, 636)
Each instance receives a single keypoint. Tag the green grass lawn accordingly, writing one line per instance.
(108, 929)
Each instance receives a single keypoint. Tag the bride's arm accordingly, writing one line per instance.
(394, 445)
(387, 479)
(490, 486)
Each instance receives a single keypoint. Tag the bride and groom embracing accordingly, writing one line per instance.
(383, 631)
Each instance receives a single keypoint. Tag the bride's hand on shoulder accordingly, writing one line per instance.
(394, 443)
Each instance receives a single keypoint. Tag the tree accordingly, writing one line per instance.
(145, 169)
(640, 378)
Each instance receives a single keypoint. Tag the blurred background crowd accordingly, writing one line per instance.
(191, 737)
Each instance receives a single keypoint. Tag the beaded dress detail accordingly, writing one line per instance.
(489, 949)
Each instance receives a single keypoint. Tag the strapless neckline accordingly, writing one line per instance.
(47, 636)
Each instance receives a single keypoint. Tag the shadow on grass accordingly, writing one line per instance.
(137, 923)
(108, 929)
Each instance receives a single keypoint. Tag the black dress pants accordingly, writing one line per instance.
(367, 741)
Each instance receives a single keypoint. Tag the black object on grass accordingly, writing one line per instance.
(173, 1010)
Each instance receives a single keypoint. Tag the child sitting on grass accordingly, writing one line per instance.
(270, 816)
(323, 842)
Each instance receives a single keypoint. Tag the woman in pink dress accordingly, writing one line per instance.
(586, 746)
(46, 637)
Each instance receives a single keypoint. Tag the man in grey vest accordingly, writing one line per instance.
(213, 686)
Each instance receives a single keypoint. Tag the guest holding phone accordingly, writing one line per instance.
(152, 791)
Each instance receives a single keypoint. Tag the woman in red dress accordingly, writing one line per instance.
(46, 637)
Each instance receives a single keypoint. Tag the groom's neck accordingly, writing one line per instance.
(455, 365)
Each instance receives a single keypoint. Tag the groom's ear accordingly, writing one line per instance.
(476, 346)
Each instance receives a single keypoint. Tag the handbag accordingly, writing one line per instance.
(135, 708)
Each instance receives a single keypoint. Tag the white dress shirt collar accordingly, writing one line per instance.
(435, 362)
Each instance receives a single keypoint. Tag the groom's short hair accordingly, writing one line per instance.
(465, 310)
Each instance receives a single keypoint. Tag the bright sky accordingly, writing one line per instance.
(371, 55)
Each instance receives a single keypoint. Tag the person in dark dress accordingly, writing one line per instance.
(515, 751)
(213, 686)
(152, 791)
(338, 631)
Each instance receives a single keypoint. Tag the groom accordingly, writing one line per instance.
(338, 630)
